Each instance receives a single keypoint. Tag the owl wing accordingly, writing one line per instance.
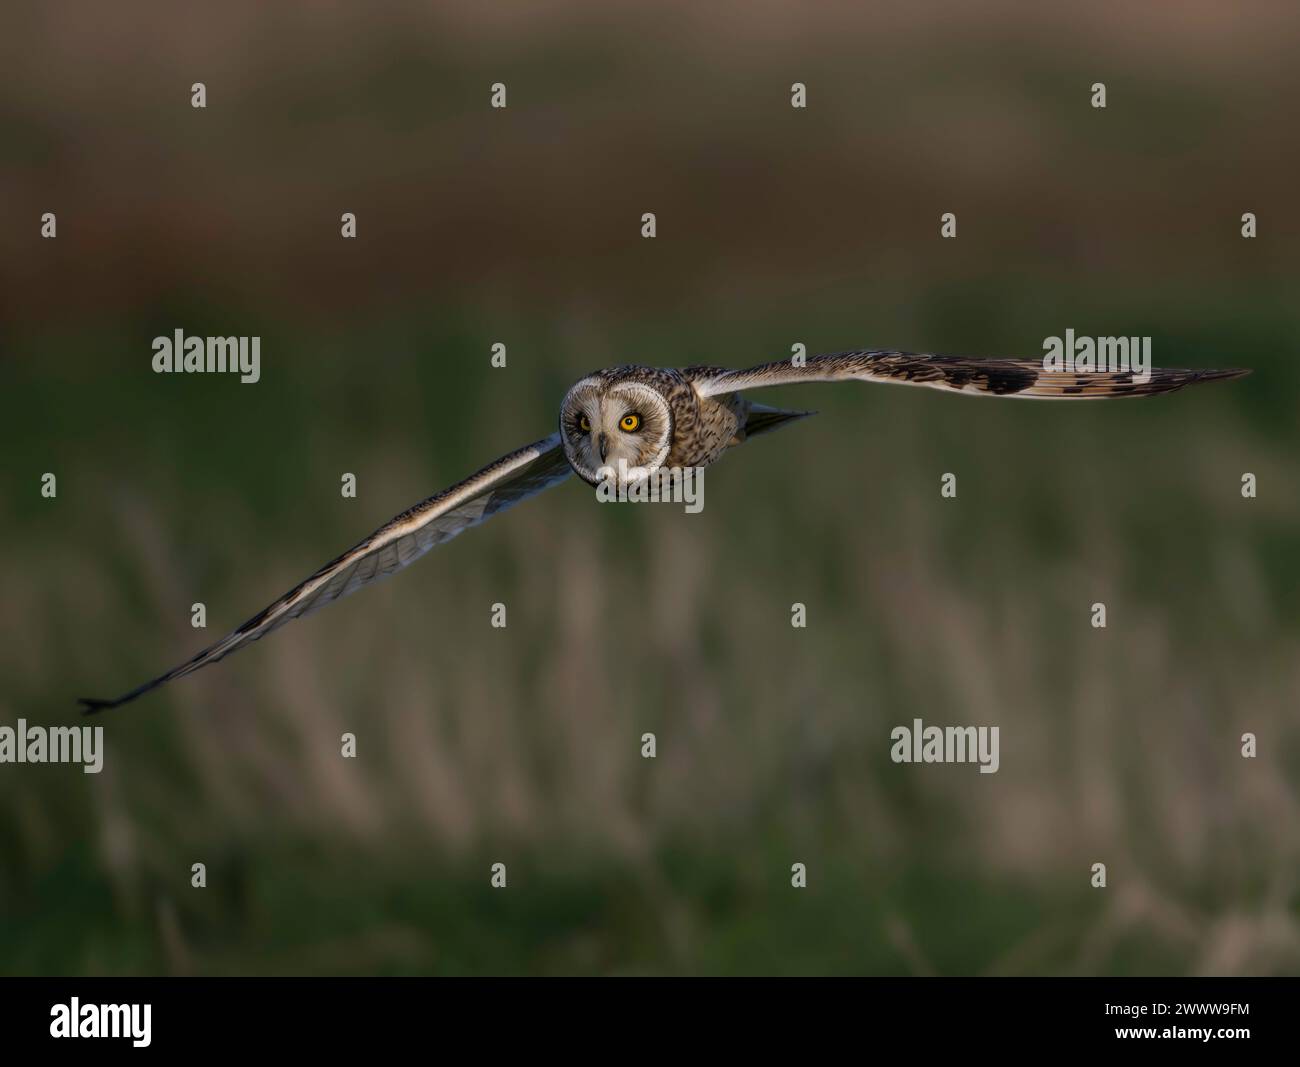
(399, 542)
(988, 377)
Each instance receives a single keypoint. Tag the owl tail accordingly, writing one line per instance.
(763, 419)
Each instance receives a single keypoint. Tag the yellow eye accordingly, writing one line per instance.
(629, 423)
(584, 425)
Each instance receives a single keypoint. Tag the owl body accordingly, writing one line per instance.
(629, 421)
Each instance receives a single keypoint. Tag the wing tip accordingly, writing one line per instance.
(94, 705)
(1198, 377)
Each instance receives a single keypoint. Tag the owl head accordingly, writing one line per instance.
(603, 421)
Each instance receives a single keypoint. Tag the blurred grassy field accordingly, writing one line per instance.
(521, 745)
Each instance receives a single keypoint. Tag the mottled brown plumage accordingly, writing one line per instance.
(990, 377)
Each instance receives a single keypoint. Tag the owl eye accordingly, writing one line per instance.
(629, 423)
(583, 424)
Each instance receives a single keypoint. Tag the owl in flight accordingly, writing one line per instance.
(651, 418)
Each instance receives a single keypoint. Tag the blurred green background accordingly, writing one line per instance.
(521, 745)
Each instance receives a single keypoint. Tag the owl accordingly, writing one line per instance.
(630, 421)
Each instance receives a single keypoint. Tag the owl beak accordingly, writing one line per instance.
(603, 442)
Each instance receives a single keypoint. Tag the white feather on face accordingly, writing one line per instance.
(614, 428)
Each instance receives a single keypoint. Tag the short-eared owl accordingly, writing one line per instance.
(651, 418)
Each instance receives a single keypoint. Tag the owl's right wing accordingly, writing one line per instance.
(986, 377)
(399, 542)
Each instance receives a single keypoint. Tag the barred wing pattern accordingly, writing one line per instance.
(399, 542)
(981, 377)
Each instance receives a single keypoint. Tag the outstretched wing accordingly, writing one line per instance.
(401, 541)
(989, 377)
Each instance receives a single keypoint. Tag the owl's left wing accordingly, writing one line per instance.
(988, 377)
(399, 542)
